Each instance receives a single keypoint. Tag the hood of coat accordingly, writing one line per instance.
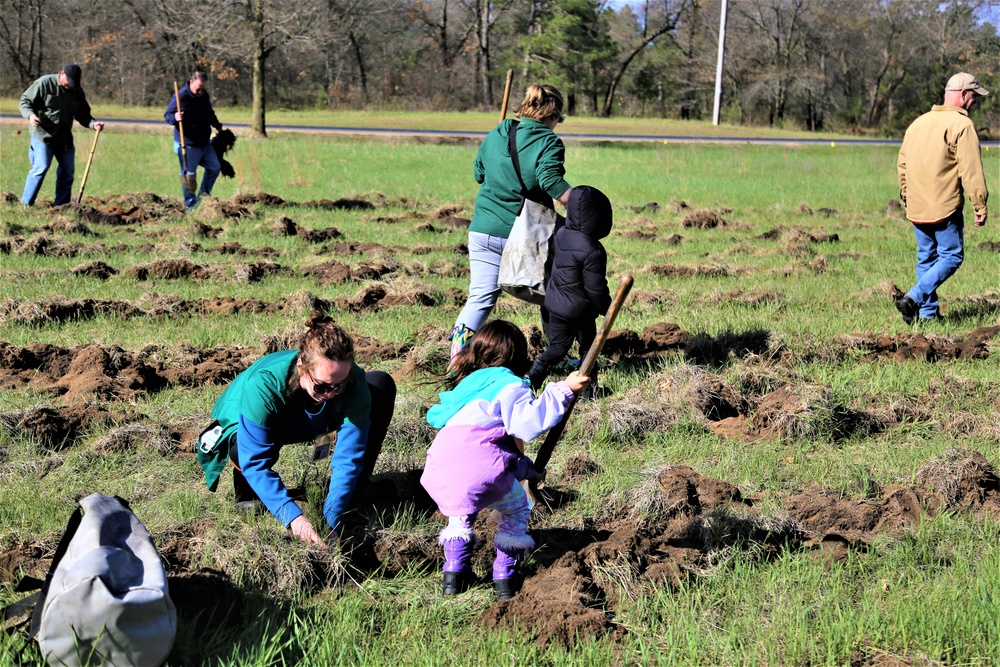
(483, 384)
(589, 211)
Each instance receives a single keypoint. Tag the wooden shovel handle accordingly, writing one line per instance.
(506, 95)
(180, 127)
(586, 368)
(86, 172)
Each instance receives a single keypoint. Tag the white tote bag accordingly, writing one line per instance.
(526, 256)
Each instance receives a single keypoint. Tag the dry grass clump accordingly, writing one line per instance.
(134, 437)
(703, 218)
(212, 208)
(688, 390)
(431, 352)
(961, 475)
(623, 419)
(409, 431)
(722, 532)
(260, 554)
(757, 377)
(43, 245)
(799, 411)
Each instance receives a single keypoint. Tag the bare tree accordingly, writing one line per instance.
(22, 31)
(659, 17)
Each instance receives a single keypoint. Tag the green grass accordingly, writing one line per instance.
(928, 594)
(444, 120)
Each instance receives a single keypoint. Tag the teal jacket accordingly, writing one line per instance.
(541, 154)
(56, 108)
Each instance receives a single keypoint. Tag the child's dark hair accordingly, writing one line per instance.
(496, 343)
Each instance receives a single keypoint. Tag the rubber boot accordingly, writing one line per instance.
(460, 337)
(457, 565)
(506, 578)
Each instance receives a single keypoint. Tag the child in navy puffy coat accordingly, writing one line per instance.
(577, 291)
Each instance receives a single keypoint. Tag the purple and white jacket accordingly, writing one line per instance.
(472, 462)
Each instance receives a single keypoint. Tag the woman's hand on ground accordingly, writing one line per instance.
(577, 382)
(304, 530)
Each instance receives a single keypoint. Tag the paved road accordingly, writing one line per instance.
(382, 131)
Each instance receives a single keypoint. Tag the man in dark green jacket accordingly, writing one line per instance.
(50, 104)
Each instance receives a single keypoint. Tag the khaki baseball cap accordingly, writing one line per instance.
(965, 81)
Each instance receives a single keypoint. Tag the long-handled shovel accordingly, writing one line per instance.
(189, 181)
(86, 172)
(506, 95)
(586, 368)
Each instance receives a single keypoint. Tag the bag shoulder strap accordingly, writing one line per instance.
(71, 527)
(512, 147)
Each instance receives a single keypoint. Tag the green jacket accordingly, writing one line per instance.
(56, 108)
(541, 154)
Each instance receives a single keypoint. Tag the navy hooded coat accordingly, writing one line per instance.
(578, 283)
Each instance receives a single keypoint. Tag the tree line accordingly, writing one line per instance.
(867, 66)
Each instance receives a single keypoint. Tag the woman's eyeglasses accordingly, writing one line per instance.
(330, 389)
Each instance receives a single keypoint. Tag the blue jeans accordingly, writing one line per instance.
(940, 251)
(40, 156)
(205, 157)
(484, 270)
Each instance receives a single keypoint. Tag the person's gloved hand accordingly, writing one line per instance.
(526, 470)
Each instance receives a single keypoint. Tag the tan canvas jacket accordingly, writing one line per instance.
(938, 161)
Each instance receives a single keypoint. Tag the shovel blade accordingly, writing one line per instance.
(190, 182)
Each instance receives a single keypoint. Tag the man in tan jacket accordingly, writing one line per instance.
(939, 162)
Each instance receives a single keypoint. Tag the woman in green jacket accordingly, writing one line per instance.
(541, 155)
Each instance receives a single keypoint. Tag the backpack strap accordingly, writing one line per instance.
(71, 527)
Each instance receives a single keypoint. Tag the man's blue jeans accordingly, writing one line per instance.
(205, 157)
(40, 156)
(940, 251)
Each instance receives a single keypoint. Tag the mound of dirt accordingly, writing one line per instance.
(21, 559)
(96, 269)
(205, 231)
(685, 271)
(703, 218)
(39, 245)
(112, 217)
(922, 347)
(112, 373)
(262, 198)
(285, 226)
(964, 479)
(234, 248)
(172, 269)
(40, 313)
(56, 428)
(347, 248)
(342, 204)
(338, 273)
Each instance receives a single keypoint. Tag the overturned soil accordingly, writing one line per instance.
(679, 519)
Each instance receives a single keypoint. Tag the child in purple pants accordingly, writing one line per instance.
(477, 460)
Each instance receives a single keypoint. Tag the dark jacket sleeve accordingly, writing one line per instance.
(168, 115)
(83, 111)
(595, 281)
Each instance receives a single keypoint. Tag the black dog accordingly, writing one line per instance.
(222, 143)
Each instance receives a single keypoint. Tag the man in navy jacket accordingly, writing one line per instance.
(199, 118)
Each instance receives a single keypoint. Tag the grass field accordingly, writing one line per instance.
(795, 477)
